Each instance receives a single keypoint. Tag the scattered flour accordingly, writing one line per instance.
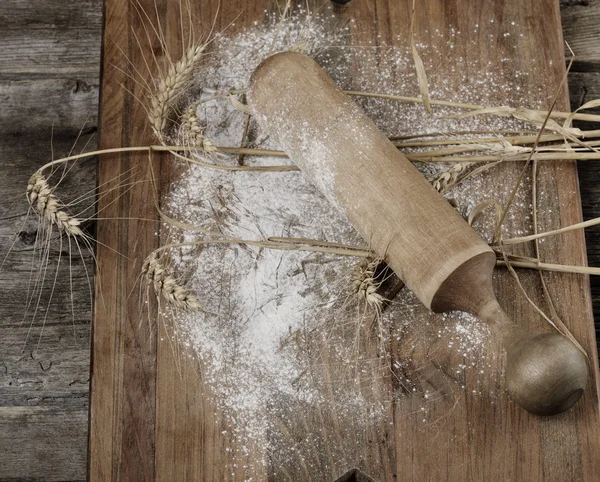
(283, 340)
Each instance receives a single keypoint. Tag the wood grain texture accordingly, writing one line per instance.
(49, 70)
(580, 29)
(49, 64)
(43, 443)
(135, 434)
(49, 38)
(584, 85)
(149, 422)
(43, 388)
(69, 104)
(26, 61)
(56, 373)
(123, 386)
(456, 441)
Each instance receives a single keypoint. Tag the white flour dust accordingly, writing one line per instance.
(281, 336)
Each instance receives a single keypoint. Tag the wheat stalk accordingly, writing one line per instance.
(166, 285)
(47, 206)
(171, 84)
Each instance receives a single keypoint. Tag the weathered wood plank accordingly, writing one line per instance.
(54, 307)
(45, 368)
(49, 67)
(49, 38)
(20, 156)
(580, 30)
(43, 443)
(583, 87)
(68, 104)
(570, 3)
(44, 380)
(23, 152)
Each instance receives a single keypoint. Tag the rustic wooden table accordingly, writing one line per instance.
(49, 78)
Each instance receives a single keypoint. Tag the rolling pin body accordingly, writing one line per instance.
(354, 165)
(421, 237)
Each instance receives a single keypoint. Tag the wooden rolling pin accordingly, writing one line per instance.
(421, 237)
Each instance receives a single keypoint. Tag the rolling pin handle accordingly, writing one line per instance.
(545, 372)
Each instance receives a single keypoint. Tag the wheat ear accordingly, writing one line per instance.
(167, 286)
(449, 177)
(171, 84)
(193, 132)
(44, 202)
(365, 283)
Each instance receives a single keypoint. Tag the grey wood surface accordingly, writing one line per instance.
(49, 77)
(581, 29)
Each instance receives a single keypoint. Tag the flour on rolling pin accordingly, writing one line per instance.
(446, 264)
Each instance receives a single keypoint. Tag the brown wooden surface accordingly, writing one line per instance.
(149, 423)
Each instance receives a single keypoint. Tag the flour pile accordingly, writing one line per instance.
(284, 342)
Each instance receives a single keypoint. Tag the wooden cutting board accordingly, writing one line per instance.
(152, 420)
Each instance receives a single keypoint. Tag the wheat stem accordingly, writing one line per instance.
(282, 246)
(502, 111)
(572, 227)
(522, 140)
(420, 157)
(532, 263)
(530, 157)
